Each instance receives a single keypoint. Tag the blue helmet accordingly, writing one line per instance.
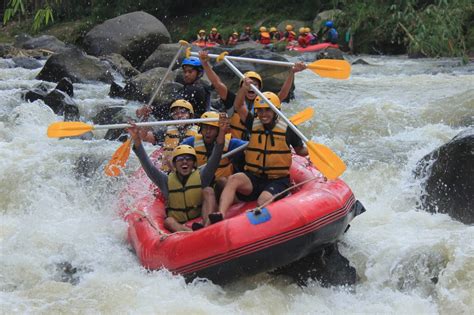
(193, 62)
(329, 23)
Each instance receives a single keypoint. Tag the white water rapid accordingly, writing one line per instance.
(381, 121)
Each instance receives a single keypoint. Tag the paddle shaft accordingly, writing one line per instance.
(166, 74)
(244, 59)
(273, 107)
(157, 123)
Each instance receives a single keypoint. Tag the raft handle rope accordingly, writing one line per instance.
(259, 208)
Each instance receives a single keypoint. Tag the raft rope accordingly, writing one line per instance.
(284, 192)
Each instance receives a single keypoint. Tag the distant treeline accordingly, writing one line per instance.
(428, 27)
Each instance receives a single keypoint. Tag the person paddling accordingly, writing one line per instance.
(330, 34)
(238, 129)
(187, 190)
(267, 158)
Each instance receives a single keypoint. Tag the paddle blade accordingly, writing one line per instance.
(331, 68)
(325, 160)
(302, 116)
(119, 159)
(68, 129)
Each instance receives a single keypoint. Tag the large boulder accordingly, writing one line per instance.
(62, 104)
(448, 174)
(142, 87)
(327, 266)
(45, 42)
(77, 66)
(121, 65)
(162, 57)
(273, 77)
(322, 17)
(134, 35)
(113, 115)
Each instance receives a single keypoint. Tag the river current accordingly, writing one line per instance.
(54, 216)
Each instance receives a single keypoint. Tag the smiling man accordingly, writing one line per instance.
(187, 189)
(268, 155)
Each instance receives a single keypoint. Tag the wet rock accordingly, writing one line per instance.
(77, 66)
(20, 39)
(448, 174)
(112, 115)
(27, 62)
(66, 272)
(327, 266)
(142, 87)
(5, 50)
(273, 77)
(322, 17)
(45, 42)
(360, 62)
(62, 104)
(162, 57)
(121, 65)
(35, 94)
(66, 86)
(329, 53)
(134, 35)
(87, 166)
(116, 90)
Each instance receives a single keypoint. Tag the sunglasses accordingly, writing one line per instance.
(183, 158)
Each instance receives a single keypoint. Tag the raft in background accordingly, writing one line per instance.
(312, 48)
(314, 216)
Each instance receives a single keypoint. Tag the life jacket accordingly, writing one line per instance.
(237, 128)
(201, 39)
(225, 167)
(214, 38)
(232, 40)
(290, 36)
(275, 36)
(184, 201)
(264, 38)
(173, 137)
(268, 155)
(302, 41)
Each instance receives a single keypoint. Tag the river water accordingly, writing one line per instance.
(381, 121)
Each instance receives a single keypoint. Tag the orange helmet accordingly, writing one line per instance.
(289, 27)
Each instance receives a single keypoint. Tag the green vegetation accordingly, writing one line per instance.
(426, 27)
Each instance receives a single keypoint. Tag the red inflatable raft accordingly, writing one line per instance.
(317, 213)
(311, 48)
(204, 44)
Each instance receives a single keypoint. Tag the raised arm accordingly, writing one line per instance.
(239, 102)
(285, 88)
(208, 171)
(220, 87)
(159, 178)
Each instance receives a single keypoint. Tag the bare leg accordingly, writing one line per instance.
(209, 204)
(264, 197)
(236, 183)
(174, 226)
(220, 184)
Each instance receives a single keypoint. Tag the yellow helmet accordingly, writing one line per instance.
(263, 29)
(235, 33)
(307, 30)
(202, 32)
(289, 27)
(302, 30)
(182, 150)
(273, 29)
(272, 97)
(183, 103)
(213, 29)
(253, 75)
(210, 115)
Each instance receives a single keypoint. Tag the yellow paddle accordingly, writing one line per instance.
(119, 159)
(120, 156)
(326, 68)
(75, 128)
(327, 162)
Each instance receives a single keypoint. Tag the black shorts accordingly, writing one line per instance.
(273, 186)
